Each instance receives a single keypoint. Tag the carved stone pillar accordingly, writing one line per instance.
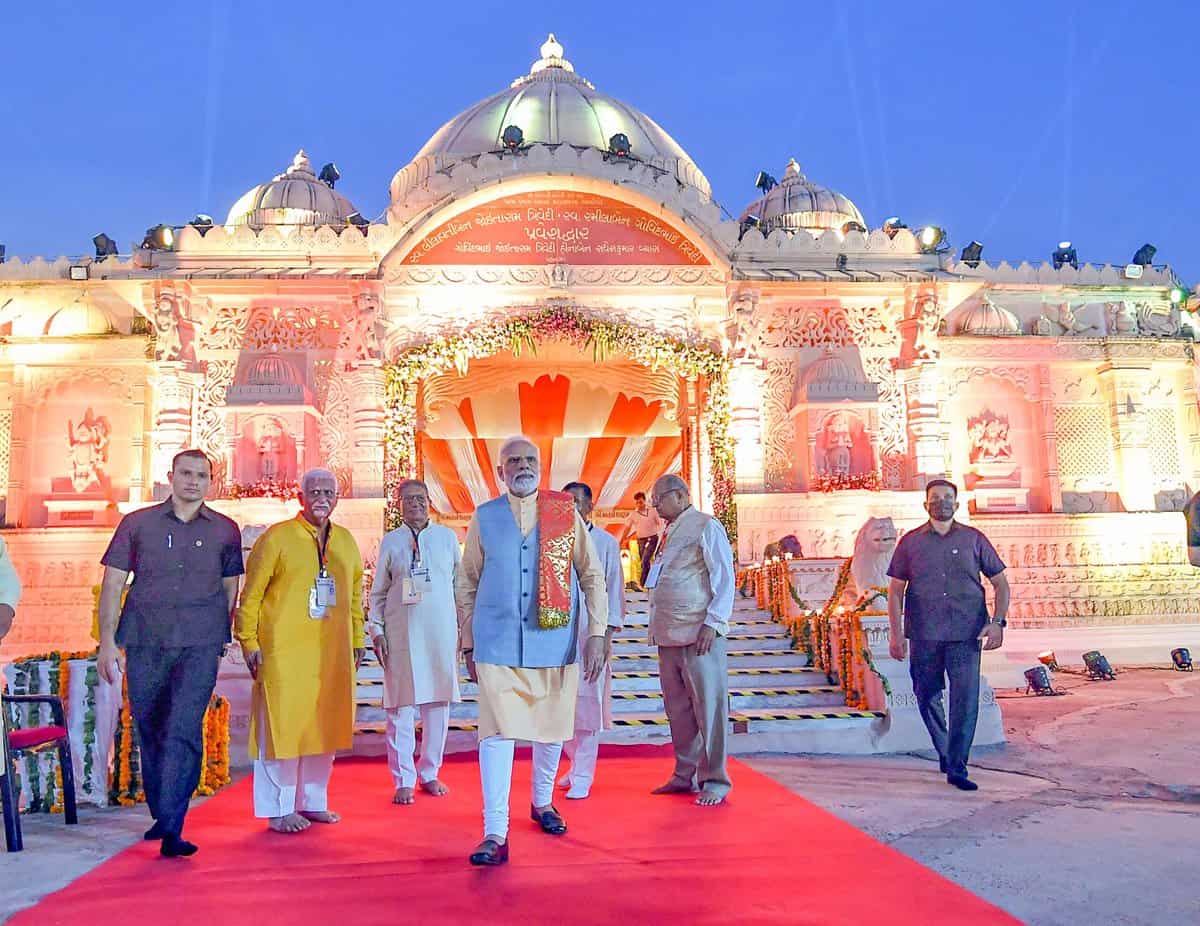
(1050, 439)
(370, 426)
(927, 436)
(174, 390)
(1191, 422)
(747, 384)
(18, 465)
(1125, 388)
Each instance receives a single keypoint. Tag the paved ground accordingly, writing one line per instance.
(1090, 814)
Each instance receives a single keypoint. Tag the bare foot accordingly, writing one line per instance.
(434, 788)
(292, 823)
(709, 799)
(675, 786)
(320, 816)
(403, 796)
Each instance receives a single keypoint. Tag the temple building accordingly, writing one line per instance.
(552, 262)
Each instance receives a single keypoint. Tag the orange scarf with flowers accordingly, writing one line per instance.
(556, 539)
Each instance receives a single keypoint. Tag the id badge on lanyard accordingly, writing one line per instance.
(323, 594)
(418, 582)
(653, 573)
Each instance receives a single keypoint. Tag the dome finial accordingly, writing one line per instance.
(792, 169)
(552, 56)
(551, 48)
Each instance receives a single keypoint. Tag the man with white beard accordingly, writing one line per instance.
(527, 560)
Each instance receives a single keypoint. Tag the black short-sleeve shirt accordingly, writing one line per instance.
(944, 599)
(177, 597)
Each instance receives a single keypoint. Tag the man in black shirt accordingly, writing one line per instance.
(935, 585)
(171, 632)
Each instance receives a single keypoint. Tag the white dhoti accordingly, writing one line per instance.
(401, 742)
(298, 785)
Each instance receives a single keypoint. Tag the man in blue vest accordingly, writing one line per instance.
(527, 560)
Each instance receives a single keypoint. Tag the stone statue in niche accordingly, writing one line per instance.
(88, 443)
(271, 437)
(837, 445)
(1122, 320)
(929, 319)
(366, 324)
(988, 436)
(170, 328)
(873, 548)
(1157, 320)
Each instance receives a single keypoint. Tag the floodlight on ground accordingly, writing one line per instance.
(972, 254)
(1144, 256)
(1047, 659)
(105, 246)
(1182, 658)
(854, 226)
(1065, 254)
(619, 145)
(512, 137)
(893, 225)
(932, 239)
(1097, 665)
(329, 175)
(159, 238)
(1037, 680)
(765, 182)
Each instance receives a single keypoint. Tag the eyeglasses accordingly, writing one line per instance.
(319, 493)
(655, 499)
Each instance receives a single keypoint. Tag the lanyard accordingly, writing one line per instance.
(416, 547)
(321, 550)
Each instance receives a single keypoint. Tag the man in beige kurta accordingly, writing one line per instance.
(691, 603)
(528, 673)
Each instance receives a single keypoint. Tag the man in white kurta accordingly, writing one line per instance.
(10, 595)
(528, 670)
(415, 631)
(593, 707)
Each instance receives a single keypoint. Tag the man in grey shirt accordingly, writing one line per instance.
(935, 585)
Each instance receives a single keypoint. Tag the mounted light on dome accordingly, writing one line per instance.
(105, 246)
(619, 145)
(893, 225)
(1065, 254)
(765, 182)
(1145, 255)
(853, 226)
(329, 175)
(971, 254)
(748, 222)
(202, 222)
(932, 239)
(356, 220)
(159, 238)
(1177, 294)
(512, 137)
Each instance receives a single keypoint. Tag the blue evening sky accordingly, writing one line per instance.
(1014, 122)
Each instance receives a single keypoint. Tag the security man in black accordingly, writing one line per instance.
(170, 633)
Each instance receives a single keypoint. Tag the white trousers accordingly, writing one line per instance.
(402, 742)
(495, 774)
(582, 750)
(284, 786)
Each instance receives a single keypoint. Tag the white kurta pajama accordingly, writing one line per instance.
(421, 670)
(593, 707)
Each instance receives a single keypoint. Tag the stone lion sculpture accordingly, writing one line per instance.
(873, 548)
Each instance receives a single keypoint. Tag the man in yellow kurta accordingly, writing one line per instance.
(527, 560)
(300, 625)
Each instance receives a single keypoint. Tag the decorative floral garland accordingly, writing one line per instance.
(839, 482)
(455, 350)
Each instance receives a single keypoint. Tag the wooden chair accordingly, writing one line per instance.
(34, 740)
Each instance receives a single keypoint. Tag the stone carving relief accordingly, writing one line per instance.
(778, 428)
(87, 443)
(1121, 318)
(171, 328)
(362, 338)
(987, 433)
(545, 276)
(928, 315)
(893, 419)
(1157, 320)
(273, 329)
(836, 326)
(336, 423)
(210, 425)
(1064, 322)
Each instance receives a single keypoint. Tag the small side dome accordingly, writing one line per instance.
(77, 319)
(831, 379)
(295, 197)
(986, 319)
(797, 204)
(271, 370)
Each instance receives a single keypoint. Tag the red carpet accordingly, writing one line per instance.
(630, 859)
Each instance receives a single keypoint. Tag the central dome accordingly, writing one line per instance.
(554, 105)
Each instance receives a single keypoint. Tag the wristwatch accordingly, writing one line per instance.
(1003, 622)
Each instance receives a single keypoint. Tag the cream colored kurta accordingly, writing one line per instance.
(593, 710)
(422, 638)
(537, 705)
(305, 685)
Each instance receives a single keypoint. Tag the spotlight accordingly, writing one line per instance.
(1144, 256)
(1097, 666)
(202, 222)
(1047, 659)
(105, 246)
(765, 182)
(2, 252)
(841, 262)
(893, 225)
(1037, 680)
(619, 145)
(356, 219)
(512, 137)
(747, 223)
(854, 226)
(971, 254)
(329, 175)
(159, 238)
(1065, 254)
(77, 272)
(1182, 659)
(1177, 294)
(932, 239)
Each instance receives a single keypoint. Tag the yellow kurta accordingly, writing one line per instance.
(305, 686)
(537, 705)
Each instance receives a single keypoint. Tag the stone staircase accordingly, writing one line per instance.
(776, 703)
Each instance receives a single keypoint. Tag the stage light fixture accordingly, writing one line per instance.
(1177, 295)
(356, 219)
(893, 225)
(159, 238)
(3, 250)
(1037, 680)
(1048, 660)
(77, 272)
(747, 223)
(512, 137)
(932, 239)
(1144, 256)
(329, 175)
(765, 182)
(841, 262)
(105, 246)
(1097, 665)
(619, 145)
(972, 254)
(853, 226)
(1065, 254)
(1182, 658)
(202, 222)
